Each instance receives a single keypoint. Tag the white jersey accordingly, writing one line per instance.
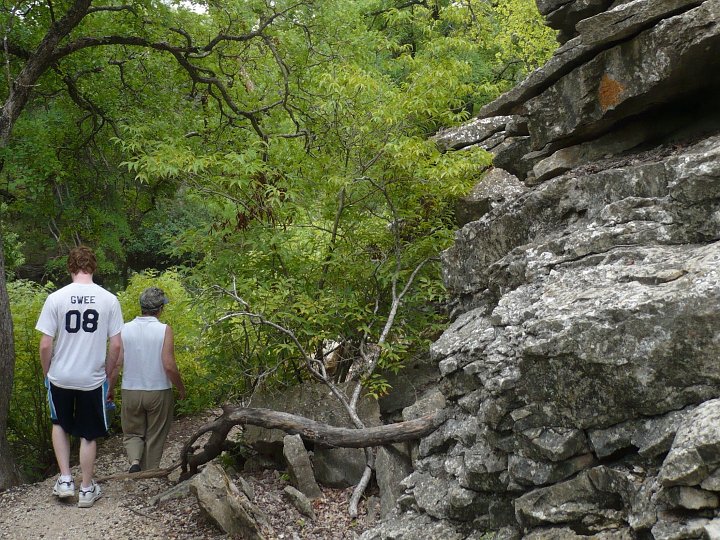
(143, 340)
(80, 317)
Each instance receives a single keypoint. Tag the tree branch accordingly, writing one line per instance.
(112, 8)
(255, 33)
(309, 430)
(36, 65)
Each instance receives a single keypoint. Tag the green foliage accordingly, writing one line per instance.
(498, 43)
(522, 35)
(61, 166)
(376, 385)
(29, 420)
(11, 246)
(313, 231)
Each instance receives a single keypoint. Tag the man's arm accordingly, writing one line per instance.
(46, 348)
(113, 363)
(169, 364)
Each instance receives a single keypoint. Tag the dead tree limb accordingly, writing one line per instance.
(142, 475)
(372, 361)
(308, 429)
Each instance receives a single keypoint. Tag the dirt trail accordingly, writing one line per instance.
(30, 511)
(125, 511)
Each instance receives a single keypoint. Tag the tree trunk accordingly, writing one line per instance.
(20, 89)
(308, 429)
(8, 470)
(36, 65)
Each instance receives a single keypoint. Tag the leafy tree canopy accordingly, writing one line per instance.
(275, 152)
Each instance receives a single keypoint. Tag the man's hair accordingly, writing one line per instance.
(81, 259)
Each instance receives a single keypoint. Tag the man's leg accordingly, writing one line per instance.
(61, 445)
(91, 424)
(62, 413)
(88, 451)
(62, 407)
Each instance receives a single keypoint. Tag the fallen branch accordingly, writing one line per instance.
(142, 475)
(308, 429)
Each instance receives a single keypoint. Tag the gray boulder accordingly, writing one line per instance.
(528, 472)
(579, 373)
(563, 15)
(680, 529)
(431, 402)
(227, 506)
(687, 498)
(712, 529)
(299, 501)
(411, 526)
(565, 533)
(495, 187)
(573, 501)
(299, 466)
(566, 57)
(473, 132)
(337, 467)
(602, 91)
(392, 465)
(695, 453)
(628, 19)
(408, 386)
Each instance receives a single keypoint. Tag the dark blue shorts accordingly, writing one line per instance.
(81, 413)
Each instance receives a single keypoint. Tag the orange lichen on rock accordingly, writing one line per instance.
(609, 92)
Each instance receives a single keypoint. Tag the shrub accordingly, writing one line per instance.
(29, 419)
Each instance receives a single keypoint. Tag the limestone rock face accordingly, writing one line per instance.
(497, 187)
(391, 467)
(564, 15)
(609, 87)
(695, 453)
(581, 372)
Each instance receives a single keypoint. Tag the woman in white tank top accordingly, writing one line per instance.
(149, 373)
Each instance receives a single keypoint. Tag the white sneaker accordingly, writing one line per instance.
(64, 490)
(88, 496)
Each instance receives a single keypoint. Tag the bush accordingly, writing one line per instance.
(29, 419)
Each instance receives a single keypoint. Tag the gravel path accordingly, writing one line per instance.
(125, 510)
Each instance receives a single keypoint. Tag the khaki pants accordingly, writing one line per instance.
(146, 418)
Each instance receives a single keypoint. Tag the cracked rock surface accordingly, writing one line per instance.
(581, 372)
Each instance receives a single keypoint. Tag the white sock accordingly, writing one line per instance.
(64, 478)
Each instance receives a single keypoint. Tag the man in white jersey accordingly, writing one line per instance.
(149, 372)
(76, 322)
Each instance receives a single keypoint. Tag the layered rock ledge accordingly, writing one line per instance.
(581, 373)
